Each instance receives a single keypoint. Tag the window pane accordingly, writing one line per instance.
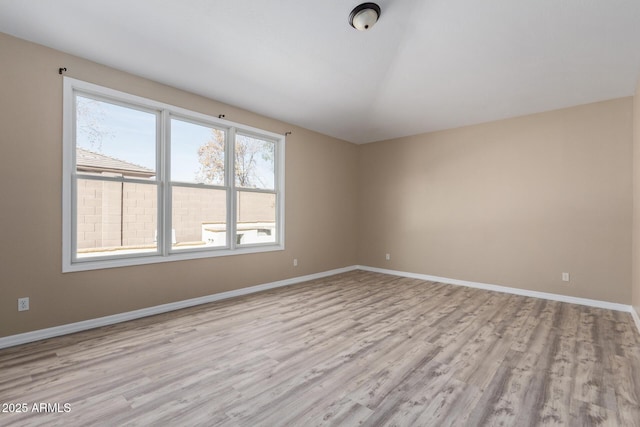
(115, 218)
(256, 218)
(113, 140)
(254, 163)
(197, 153)
(198, 217)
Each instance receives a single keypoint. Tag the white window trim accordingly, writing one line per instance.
(164, 253)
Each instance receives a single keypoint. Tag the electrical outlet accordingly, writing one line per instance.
(388, 257)
(565, 277)
(23, 304)
(295, 262)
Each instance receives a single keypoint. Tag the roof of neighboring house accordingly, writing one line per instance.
(89, 161)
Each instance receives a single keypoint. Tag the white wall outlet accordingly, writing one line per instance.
(388, 257)
(23, 304)
(295, 262)
(565, 277)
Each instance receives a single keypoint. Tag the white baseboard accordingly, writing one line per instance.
(505, 289)
(70, 328)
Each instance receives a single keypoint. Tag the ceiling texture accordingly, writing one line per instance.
(426, 65)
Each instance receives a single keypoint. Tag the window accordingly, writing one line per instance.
(147, 182)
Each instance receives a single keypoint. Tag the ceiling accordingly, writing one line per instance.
(427, 65)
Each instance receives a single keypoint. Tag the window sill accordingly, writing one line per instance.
(97, 264)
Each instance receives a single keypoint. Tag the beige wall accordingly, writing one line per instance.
(320, 209)
(514, 202)
(636, 201)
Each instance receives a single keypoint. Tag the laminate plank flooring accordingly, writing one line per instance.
(358, 348)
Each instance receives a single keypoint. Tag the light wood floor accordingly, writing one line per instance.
(357, 348)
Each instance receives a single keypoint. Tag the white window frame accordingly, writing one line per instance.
(165, 112)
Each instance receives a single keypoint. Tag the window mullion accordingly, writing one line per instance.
(164, 192)
(230, 171)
